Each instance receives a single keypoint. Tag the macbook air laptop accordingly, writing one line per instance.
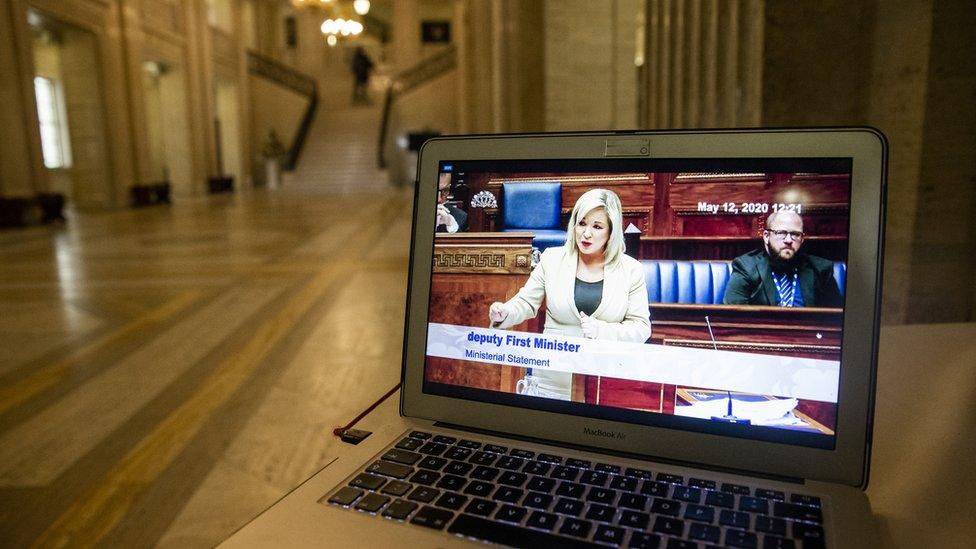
(633, 339)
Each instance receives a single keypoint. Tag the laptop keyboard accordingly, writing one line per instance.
(521, 498)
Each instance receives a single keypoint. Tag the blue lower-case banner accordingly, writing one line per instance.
(803, 378)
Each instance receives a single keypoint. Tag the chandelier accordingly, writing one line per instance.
(337, 24)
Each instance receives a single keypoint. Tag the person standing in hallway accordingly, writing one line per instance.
(362, 66)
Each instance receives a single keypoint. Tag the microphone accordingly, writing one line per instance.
(729, 417)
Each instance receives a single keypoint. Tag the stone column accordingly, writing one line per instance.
(21, 167)
(406, 33)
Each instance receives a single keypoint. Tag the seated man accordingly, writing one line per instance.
(450, 218)
(780, 274)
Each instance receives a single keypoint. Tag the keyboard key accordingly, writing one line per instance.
(734, 519)
(367, 481)
(567, 506)
(754, 505)
(506, 534)
(570, 490)
(452, 501)
(401, 456)
(656, 489)
(346, 495)
(445, 439)
(797, 512)
(632, 501)
(740, 538)
(670, 479)
(601, 495)
(730, 488)
(643, 540)
(432, 463)
(538, 500)
(432, 517)
(541, 484)
(420, 435)
(371, 502)
(427, 478)
(524, 454)
(409, 443)
(399, 509)
(424, 494)
(461, 454)
(494, 448)
(479, 489)
(510, 462)
(771, 525)
(579, 463)
(801, 499)
(670, 526)
(701, 483)
(607, 468)
(681, 544)
(643, 474)
(433, 448)
(469, 444)
(549, 458)
(634, 519)
(510, 513)
(390, 469)
(776, 542)
(575, 527)
(626, 484)
(564, 472)
(594, 478)
(396, 488)
(453, 483)
(507, 494)
(704, 532)
(700, 513)
(663, 506)
(770, 494)
(684, 493)
(810, 534)
(511, 478)
(483, 458)
(537, 468)
(484, 473)
(719, 499)
(600, 513)
(458, 468)
(481, 507)
(608, 534)
(542, 520)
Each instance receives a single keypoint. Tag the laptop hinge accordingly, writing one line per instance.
(628, 455)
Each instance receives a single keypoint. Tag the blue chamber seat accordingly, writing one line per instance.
(537, 208)
(699, 282)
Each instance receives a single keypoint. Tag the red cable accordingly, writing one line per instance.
(339, 430)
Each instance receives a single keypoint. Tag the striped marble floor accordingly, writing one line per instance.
(168, 373)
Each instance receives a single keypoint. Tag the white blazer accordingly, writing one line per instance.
(623, 310)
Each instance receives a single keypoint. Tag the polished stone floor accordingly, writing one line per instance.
(167, 373)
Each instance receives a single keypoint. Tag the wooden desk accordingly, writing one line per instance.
(923, 482)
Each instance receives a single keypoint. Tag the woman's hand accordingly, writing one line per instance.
(589, 325)
(497, 313)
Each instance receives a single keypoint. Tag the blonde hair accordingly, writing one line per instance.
(591, 200)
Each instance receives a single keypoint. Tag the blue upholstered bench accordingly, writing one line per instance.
(537, 208)
(699, 282)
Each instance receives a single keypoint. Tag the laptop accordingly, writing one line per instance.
(624, 339)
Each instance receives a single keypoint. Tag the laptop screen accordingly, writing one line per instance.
(703, 294)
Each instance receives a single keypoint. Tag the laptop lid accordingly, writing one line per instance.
(759, 359)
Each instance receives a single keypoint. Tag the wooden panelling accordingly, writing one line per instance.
(688, 248)
(485, 253)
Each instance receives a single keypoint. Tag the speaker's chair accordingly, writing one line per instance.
(536, 208)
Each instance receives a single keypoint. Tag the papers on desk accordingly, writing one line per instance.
(777, 412)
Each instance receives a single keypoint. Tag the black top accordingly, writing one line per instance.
(588, 296)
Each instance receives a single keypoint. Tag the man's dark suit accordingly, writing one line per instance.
(459, 215)
(752, 281)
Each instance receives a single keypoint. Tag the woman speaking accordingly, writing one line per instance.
(591, 289)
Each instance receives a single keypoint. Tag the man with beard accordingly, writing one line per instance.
(780, 274)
